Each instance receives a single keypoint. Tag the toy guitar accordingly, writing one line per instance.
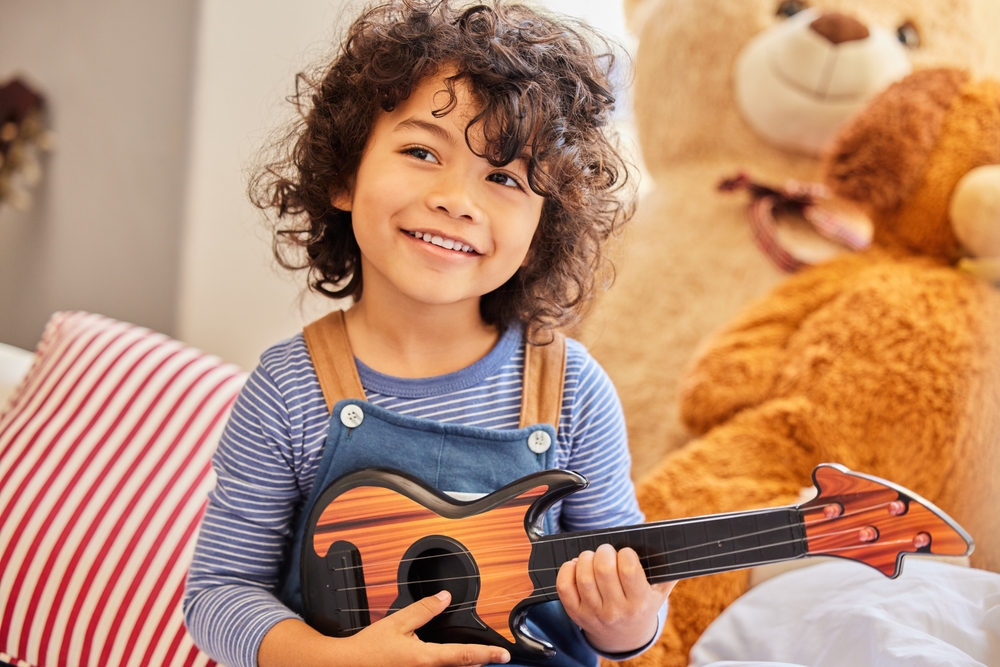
(378, 540)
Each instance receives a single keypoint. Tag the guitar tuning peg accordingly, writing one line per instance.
(833, 510)
(868, 534)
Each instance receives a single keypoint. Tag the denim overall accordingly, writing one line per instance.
(454, 458)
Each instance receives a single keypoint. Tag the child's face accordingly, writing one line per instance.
(437, 224)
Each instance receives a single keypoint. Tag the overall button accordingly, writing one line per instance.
(351, 416)
(539, 442)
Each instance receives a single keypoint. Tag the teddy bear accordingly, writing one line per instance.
(688, 262)
(886, 361)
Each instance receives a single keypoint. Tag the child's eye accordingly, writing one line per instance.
(504, 179)
(421, 154)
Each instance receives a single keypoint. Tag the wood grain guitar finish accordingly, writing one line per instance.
(496, 541)
(378, 540)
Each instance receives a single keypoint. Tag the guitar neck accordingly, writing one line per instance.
(670, 550)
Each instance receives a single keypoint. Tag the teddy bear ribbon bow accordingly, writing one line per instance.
(797, 197)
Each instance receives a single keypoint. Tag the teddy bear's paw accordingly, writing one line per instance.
(974, 210)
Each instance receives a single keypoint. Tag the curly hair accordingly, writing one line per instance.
(544, 89)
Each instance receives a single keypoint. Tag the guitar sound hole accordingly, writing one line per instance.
(435, 570)
(437, 563)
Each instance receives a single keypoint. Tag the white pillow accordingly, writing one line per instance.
(14, 365)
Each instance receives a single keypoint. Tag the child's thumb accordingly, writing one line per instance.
(423, 610)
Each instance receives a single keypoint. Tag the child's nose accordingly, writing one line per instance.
(455, 195)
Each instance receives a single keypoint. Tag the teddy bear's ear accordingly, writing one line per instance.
(878, 157)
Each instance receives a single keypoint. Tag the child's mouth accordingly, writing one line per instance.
(442, 242)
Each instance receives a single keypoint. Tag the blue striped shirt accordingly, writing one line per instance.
(270, 450)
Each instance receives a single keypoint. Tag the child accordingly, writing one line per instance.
(453, 174)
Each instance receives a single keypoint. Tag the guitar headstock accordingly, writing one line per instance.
(872, 521)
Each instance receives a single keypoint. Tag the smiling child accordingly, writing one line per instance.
(455, 174)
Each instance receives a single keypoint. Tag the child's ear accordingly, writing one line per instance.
(341, 199)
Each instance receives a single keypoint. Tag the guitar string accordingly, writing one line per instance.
(506, 598)
(651, 567)
(634, 529)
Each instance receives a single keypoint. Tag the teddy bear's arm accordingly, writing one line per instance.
(738, 368)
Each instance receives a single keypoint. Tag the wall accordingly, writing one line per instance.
(142, 214)
(104, 234)
(234, 301)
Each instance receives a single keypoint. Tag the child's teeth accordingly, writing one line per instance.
(442, 242)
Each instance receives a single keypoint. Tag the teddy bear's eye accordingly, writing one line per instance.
(790, 8)
(908, 35)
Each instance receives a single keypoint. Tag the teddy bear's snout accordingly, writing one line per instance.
(838, 28)
(797, 82)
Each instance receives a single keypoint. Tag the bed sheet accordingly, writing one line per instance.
(843, 614)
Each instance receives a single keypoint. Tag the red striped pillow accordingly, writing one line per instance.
(104, 470)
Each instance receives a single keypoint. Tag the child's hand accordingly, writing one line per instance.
(606, 593)
(393, 640)
(389, 642)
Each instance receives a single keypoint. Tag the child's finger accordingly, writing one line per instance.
(566, 587)
(631, 574)
(446, 655)
(607, 576)
(586, 583)
(416, 615)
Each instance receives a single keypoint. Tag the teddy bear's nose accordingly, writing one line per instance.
(838, 28)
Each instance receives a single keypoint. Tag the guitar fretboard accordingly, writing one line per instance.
(671, 550)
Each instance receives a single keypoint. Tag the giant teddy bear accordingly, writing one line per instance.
(687, 263)
(887, 361)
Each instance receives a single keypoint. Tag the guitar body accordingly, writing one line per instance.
(379, 540)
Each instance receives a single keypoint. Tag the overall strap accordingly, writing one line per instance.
(330, 349)
(541, 388)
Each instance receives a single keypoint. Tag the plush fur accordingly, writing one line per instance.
(887, 361)
(688, 264)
